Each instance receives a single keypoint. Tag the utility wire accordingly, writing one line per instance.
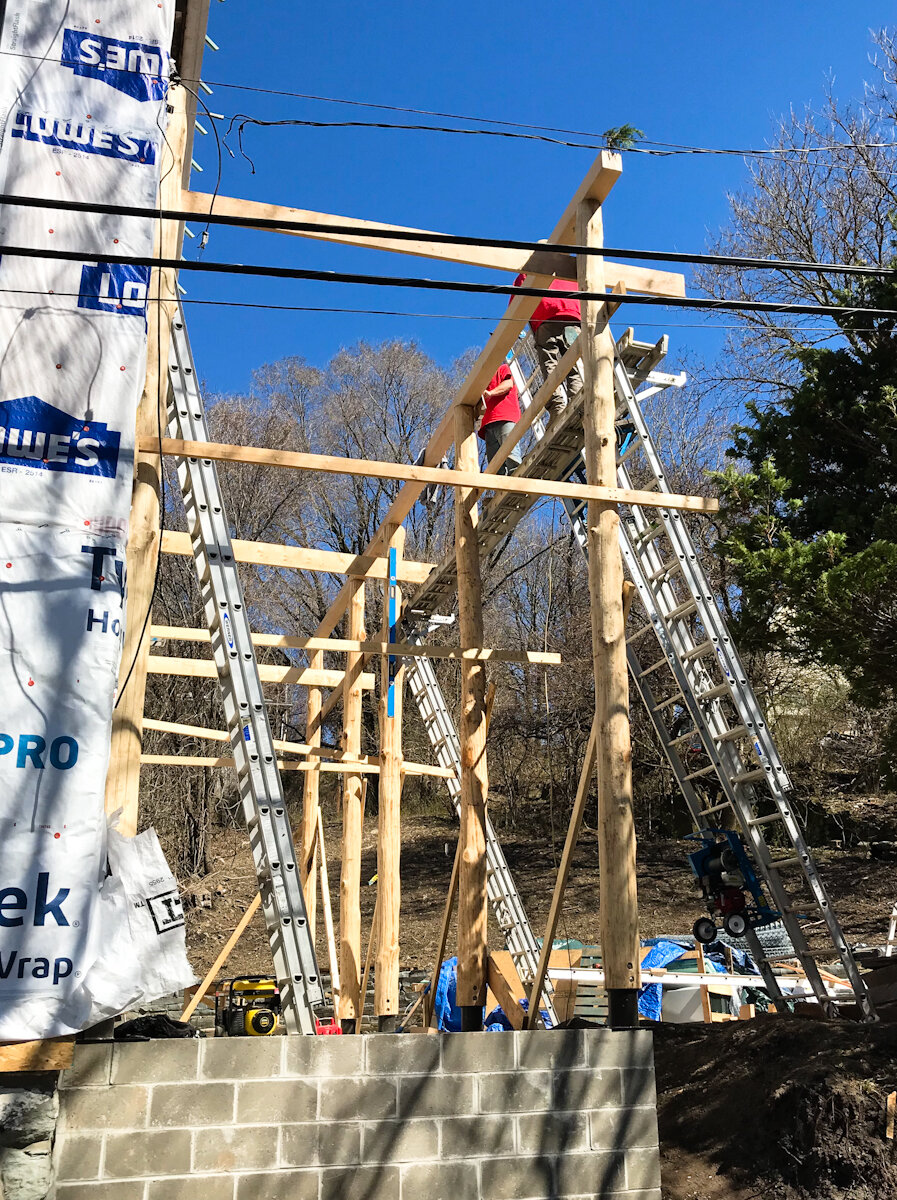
(448, 285)
(349, 229)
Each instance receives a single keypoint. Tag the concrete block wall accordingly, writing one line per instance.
(482, 1116)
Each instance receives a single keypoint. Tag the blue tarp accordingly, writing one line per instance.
(448, 1012)
(662, 953)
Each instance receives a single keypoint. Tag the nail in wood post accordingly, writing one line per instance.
(472, 897)
(350, 873)
(616, 828)
(389, 837)
(308, 865)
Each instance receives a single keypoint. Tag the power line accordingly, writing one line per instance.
(450, 239)
(447, 285)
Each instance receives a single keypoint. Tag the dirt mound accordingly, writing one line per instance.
(778, 1106)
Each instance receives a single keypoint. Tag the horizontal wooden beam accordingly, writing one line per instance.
(635, 278)
(407, 472)
(302, 558)
(49, 1054)
(179, 633)
(204, 668)
(340, 768)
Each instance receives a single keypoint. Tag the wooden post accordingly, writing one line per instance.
(430, 1002)
(472, 897)
(389, 834)
(308, 863)
(222, 958)
(123, 777)
(350, 872)
(616, 829)
(328, 918)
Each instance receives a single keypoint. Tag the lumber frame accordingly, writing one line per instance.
(353, 816)
(47, 1054)
(311, 798)
(367, 766)
(204, 668)
(635, 278)
(389, 831)
(472, 896)
(616, 827)
(422, 476)
(142, 553)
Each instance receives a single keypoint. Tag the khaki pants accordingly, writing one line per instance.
(553, 339)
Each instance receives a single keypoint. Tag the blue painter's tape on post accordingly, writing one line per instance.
(391, 592)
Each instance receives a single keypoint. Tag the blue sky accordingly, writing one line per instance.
(684, 71)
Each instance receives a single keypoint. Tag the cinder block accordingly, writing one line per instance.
(642, 1169)
(78, 1157)
(475, 1052)
(401, 1054)
(364, 1183)
(620, 1048)
(513, 1178)
(320, 1145)
(241, 1058)
(133, 1155)
(277, 1101)
(355, 1099)
(578, 1090)
(436, 1096)
(235, 1148)
(525, 1092)
(441, 1181)
(276, 1185)
(589, 1174)
(186, 1104)
(324, 1057)
(192, 1187)
(171, 1061)
(90, 1067)
(613, 1127)
(638, 1088)
(550, 1049)
(105, 1108)
(399, 1141)
(471, 1137)
(101, 1191)
(553, 1133)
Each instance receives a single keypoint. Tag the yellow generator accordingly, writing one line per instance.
(247, 1007)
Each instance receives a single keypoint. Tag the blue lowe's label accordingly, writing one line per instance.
(135, 68)
(83, 136)
(35, 434)
(115, 288)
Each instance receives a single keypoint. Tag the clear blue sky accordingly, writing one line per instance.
(682, 70)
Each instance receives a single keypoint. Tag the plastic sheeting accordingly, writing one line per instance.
(82, 117)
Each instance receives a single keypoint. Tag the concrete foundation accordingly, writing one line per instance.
(480, 1116)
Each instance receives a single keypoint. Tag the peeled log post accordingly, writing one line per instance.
(350, 873)
(308, 867)
(616, 828)
(472, 897)
(389, 833)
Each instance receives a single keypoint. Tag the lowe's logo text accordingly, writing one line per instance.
(33, 750)
(36, 434)
(15, 904)
(115, 288)
(83, 136)
(134, 68)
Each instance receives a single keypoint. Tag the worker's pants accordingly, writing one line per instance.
(494, 435)
(553, 338)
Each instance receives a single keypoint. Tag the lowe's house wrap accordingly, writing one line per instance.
(83, 93)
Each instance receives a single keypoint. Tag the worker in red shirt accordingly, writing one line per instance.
(556, 326)
(501, 412)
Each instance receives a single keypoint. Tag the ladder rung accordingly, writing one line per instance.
(682, 610)
(697, 651)
(652, 531)
(661, 662)
(749, 776)
(697, 775)
(684, 737)
(639, 633)
(776, 816)
(777, 864)
(705, 812)
(677, 699)
(795, 910)
(721, 689)
(667, 569)
(731, 735)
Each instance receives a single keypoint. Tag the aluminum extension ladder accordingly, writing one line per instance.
(251, 740)
(701, 681)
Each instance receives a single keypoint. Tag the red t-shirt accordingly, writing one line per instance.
(551, 309)
(505, 409)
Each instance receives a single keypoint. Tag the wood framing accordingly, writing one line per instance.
(616, 827)
(204, 668)
(367, 767)
(353, 816)
(50, 1054)
(311, 798)
(366, 468)
(473, 909)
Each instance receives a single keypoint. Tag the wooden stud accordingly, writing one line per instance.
(328, 917)
(365, 468)
(616, 828)
(507, 991)
(560, 885)
(430, 1003)
(372, 942)
(48, 1054)
(204, 668)
(389, 834)
(310, 799)
(222, 958)
(123, 777)
(473, 900)
(367, 765)
(350, 872)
